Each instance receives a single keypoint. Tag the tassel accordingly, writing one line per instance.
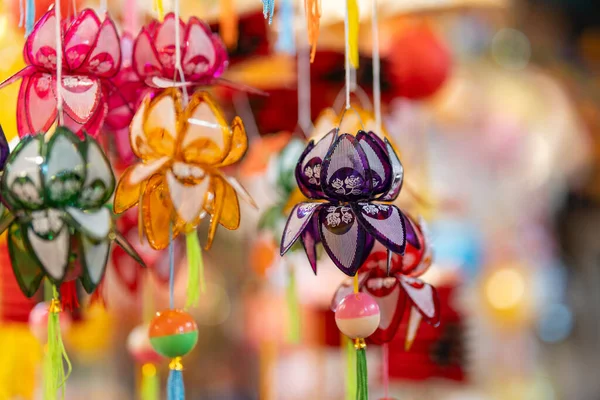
(353, 25)
(269, 10)
(293, 306)
(150, 385)
(228, 23)
(286, 41)
(175, 387)
(313, 18)
(362, 388)
(196, 282)
(350, 356)
(29, 17)
(54, 367)
(68, 295)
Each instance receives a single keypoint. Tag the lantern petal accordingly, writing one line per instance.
(384, 222)
(424, 297)
(93, 256)
(26, 266)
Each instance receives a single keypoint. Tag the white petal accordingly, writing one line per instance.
(95, 258)
(142, 172)
(187, 199)
(95, 224)
(53, 254)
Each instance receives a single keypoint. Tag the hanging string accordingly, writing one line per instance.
(103, 6)
(286, 39)
(312, 9)
(160, 9)
(29, 16)
(385, 369)
(171, 268)
(59, 97)
(304, 103)
(21, 14)
(131, 16)
(352, 33)
(376, 67)
(178, 66)
(347, 55)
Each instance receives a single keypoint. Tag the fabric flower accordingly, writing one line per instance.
(58, 226)
(90, 55)
(358, 177)
(178, 179)
(203, 54)
(398, 289)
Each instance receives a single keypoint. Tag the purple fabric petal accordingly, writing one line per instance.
(346, 288)
(344, 239)
(411, 234)
(397, 174)
(4, 149)
(423, 296)
(297, 221)
(310, 238)
(345, 175)
(384, 222)
(308, 169)
(378, 159)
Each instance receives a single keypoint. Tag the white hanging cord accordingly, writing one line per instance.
(347, 60)
(59, 97)
(178, 53)
(376, 68)
(103, 5)
(304, 114)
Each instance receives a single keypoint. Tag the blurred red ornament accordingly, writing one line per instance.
(138, 345)
(419, 63)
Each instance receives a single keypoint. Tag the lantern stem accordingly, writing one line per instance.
(150, 385)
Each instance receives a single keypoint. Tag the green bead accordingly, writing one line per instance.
(175, 345)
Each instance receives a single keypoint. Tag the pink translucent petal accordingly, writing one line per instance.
(145, 57)
(81, 96)
(27, 71)
(40, 47)
(165, 44)
(200, 57)
(105, 58)
(391, 307)
(91, 126)
(36, 107)
(80, 38)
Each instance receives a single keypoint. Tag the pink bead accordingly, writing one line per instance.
(38, 321)
(357, 315)
(357, 305)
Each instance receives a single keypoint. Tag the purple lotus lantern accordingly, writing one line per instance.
(350, 181)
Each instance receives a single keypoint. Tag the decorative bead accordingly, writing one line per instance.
(38, 320)
(357, 315)
(173, 333)
(138, 344)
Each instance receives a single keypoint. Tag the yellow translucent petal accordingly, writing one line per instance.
(158, 213)
(161, 122)
(239, 143)
(215, 208)
(230, 217)
(206, 137)
(126, 194)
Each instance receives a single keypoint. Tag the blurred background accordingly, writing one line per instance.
(494, 106)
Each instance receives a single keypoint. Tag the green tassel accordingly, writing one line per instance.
(362, 388)
(196, 283)
(150, 385)
(350, 352)
(293, 306)
(54, 368)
